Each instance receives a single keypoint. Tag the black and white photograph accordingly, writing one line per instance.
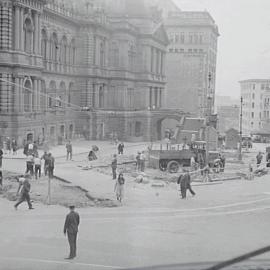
(134, 134)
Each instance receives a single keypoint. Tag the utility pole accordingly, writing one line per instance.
(209, 109)
(241, 122)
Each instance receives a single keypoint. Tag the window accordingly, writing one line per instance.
(27, 95)
(72, 55)
(262, 86)
(253, 105)
(101, 96)
(190, 38)
(54, 47)
(253, 95)
(252, 114)
(182, 38)
(44, 44)
(190, 50)
(64, 51)
(176, 38)
(196, 38)
(201, 39)
(253, 86)
(132, 57)
(101, 54)
(115, 54)
(28, 35)
(138, 129)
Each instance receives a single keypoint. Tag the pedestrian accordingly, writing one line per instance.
(183, 185)
(121, 148)
(50, 165)
(119, 187)
(14, 146)
(35, 148)
(37, 162)
(69, 150)
(142, 161)
(259, 158)
(24, 190)
(114, 166)
(8, 145)
(45, 157)
(71, 229)
(189, 183)
(138, 161)
(223, 162)
(30, 164)
(1, 157)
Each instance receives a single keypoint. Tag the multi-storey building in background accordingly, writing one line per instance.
(56, 59)
(256, 108)
(191, 61)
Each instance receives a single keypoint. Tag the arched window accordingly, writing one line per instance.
(61, 95)
(51, 94)
(28, 35)
(44, 44)
(72, 52)
(131, 57)
(115, 54)
(101, 97)
(64, 49)
(54, 47)
(70, 93)
(27, 95)
(101, 54)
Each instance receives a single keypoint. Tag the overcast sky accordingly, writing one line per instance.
(244, 42)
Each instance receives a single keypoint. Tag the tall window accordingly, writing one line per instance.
(131, 57)
(115, 55)
(27, 95)
(101, 97)
(64, 50)
(72, 52)
(44, 44)
(28, 35)
(51, 94)
(101, 54)
(54, 47)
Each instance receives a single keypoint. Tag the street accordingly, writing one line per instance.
(220, 222)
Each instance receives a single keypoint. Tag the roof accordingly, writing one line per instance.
(193, 124)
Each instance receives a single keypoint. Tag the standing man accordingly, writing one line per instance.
(69, 150)
(114, 166)
(24, 190)
(50, 165)
(46, 162)
(259, 158)
(37, 162)
(142, 161)
(71, 228)
(14, 146)
(121, 148)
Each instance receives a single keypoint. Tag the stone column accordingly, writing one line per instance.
(22, 29)
(21, 108)
(36, 33)
(150, 97)
(38, 96)
(17, 28)
(160, 98)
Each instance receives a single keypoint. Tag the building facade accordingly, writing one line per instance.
(191, 61)
(92, 71)
(228, 117)
(256, 108)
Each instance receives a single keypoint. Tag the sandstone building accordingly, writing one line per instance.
(92, 71)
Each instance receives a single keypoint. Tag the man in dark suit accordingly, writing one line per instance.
(71, 228)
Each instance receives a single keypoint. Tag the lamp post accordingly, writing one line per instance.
(240, 133)
(209, 105)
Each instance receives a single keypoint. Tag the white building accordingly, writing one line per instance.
(256, 98)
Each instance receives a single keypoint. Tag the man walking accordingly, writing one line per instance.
(69, 150)
(30, 164)
(46, 162)
(71, 229)
(259, 158)
(114, 166)
(24, 189)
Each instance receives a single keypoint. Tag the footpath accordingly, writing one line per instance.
(98, 185)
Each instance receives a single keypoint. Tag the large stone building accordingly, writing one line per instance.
(256, 105)
(191, 61)
(57, 59)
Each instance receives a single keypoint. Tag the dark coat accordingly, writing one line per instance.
(72, 222)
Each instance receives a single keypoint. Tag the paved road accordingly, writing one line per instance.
(221, 222)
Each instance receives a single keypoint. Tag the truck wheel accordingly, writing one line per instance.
(163, 165)
(173, 166)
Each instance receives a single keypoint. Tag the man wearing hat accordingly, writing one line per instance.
(114, 166)
(71, 228)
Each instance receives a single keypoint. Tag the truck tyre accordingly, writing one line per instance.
(173, 166)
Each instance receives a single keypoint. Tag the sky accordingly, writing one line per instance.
(244, 42)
